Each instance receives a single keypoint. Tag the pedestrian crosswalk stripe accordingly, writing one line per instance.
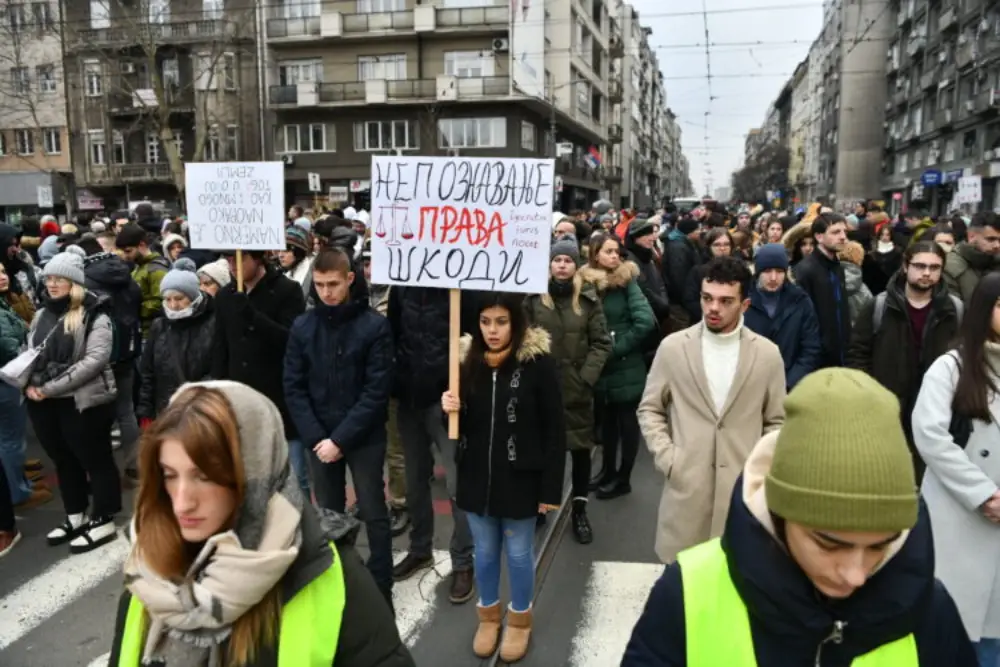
(615, 596)
(35, 601)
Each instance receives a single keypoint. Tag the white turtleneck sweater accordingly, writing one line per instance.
(720, 354)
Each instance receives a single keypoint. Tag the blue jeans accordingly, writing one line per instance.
(988, 652)
(516, 538)
(297, 457)
(13, 423)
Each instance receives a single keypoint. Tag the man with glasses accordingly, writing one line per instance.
(972, 260)
(906, 327)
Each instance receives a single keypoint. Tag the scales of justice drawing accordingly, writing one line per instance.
(398, 216)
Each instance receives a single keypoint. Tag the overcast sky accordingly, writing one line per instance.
(745, 77)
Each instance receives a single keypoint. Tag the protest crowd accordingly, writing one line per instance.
(820, 393)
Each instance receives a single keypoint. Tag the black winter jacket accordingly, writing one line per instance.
(251, 333)
(108, 274)
(789, 620)
(368, 634)
(338, 375)
(823, 280)
(419, 320)
(176, 351)
(680, 256)
(878, 268)
(512, 448)
(794, 329)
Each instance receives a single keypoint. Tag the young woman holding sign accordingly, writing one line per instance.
(510, 460)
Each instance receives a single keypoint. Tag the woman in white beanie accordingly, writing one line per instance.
(214, 276)
(179, 346)
(72, 394)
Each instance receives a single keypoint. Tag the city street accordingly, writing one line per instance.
(57, 610)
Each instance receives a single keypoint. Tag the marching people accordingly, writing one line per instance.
(295, 260)
(572, 314)
(251, 332)
(71, 393)
(718, 243)
(716, 382)
(640, 245)
(213, 276)
(180, 344)
(173, 245)
(955, 431)
(905, 328)
(337, 381)
(419, 320)
(826, 558)
(510, 396)
(264, 581)
(973, 259)
(150, 267)
(852, 256)
(783, 313)
(680, 256)
(629, 320)
(821, 275)
(799, 243)
(882, 261)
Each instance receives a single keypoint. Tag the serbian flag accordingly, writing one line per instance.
(593, 158)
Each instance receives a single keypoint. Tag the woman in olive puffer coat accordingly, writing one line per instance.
(630, 319)
(572, 314)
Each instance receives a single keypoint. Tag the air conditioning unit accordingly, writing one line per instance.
(288, 159)
(501, 45)
(970, 105)
(128, 68)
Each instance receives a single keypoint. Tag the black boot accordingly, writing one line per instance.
(582, 530)
(614, 489)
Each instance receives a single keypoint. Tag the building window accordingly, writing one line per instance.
(213, 9)
(152, 148)
(390, 67)
(93, 82)
(52, 140)
(100, 14)
(17, 16)
(306, 138)
(528, 136)
(468, 64)
(376, 6)
(384, 135)
(213, 149)
(291, 72)
(472, 132)
(229, 71)
(20, 81)
(232, 142)
(117, 147)
(42, 13)
(178, 138)
(3, 144)
(583, 97)
(98, 152)
(46, 75)
(949, 149)
(159, 11)
(297, 9)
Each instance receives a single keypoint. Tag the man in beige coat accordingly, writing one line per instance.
(714, 389)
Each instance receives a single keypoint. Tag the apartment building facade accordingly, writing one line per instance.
(152, 85)
(798, 137)
(34, 142)
(943, 106)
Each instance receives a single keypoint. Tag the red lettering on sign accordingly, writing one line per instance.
(448, 225)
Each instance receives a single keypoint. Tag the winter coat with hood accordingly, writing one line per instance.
(74, 365)
(858, 294)
(957, 482)
(630, 320)
(148, 273)
(891, 355)
(699, 450)
(24, 277)
(680, 257)
(581, 345)
(13, 332)
(512, 449)
(794, 329)
(824, 280)
(107, 273)
(791, 240)
(790, 622)
(879, 266)
(964, 268)
(177, 351)
(251, 333)
(338, 375)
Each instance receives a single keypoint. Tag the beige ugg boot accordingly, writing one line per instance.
(484, 645)
(517, 635)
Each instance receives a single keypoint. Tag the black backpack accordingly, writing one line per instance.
(123, 308)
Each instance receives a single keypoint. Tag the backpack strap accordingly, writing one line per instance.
(878, 314)
(959, 307)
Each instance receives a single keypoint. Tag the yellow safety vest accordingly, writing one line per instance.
(717, 628)
(310, 623)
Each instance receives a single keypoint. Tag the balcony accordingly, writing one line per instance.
(615, 133)
(612, 175)
(916, 45)
(128, 173)
(929, 125)
(616, 47)
(399, 91)
(142, 100)
(491, 19)
(928, 80)
(965, 55)
(987, 100)
(900, 97)
(948, 20)
(615, 91)
(944, 118)
(179, 32)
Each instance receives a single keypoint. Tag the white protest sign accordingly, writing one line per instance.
(236, 205)
(44, 196)
(314, 183)
(462, 223)
(970, 190)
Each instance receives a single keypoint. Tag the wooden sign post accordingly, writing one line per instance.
(239, 270)
(454, 335)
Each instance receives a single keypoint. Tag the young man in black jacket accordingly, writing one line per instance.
(338, 377)
(822, 277)
(826, 557)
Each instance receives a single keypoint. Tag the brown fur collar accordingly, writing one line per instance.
(536, 342)
(604, 280)
(795, 234)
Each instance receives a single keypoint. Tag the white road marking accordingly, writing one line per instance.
(101, 661)
(616, 594)
(37, 600)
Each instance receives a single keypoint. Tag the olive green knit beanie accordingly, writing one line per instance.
(841, 460)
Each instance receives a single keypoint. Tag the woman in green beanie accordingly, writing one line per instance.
(827, 557)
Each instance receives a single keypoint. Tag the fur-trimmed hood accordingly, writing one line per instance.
(536, 342)
(605, 280)
(795, 234)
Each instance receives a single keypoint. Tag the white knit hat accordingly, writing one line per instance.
(217, 271)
